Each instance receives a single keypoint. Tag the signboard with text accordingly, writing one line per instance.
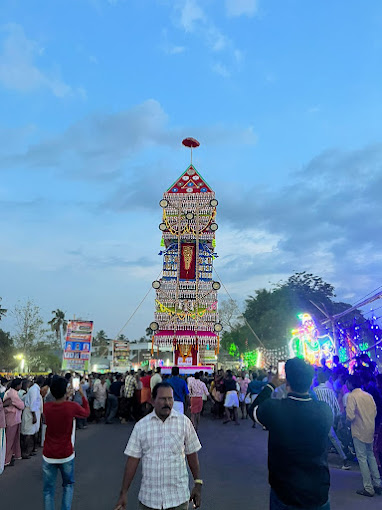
(207, 356)
(121, 356)
(78, 346)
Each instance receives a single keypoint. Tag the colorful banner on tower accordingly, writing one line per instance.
(121, 356)
(78, 346)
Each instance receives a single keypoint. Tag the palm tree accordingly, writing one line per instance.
(3, 311)
(59, 325)
(101, 343)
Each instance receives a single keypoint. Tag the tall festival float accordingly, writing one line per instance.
(186, 304)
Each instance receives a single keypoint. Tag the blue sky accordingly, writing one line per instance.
(96, 96)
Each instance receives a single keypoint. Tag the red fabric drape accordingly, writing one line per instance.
(193, 353)
(187, 261)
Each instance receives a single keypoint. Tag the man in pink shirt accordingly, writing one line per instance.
(13, 406)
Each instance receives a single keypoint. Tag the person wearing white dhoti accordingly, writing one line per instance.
(30, 422)
(231, 401)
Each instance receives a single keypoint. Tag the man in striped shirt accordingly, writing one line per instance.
(326, 394)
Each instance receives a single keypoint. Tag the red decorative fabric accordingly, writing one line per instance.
(187, 261)
(193, 353)
(196, 405)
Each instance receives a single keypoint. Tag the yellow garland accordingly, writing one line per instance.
(183, 315)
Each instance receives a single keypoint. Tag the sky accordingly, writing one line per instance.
(96, 96)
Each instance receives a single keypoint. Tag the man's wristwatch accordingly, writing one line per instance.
(200, 482)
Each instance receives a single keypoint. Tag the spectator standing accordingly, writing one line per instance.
(113, 398)
(131, 386)
(156, 378)
(33, 401)
(13, 406)
(180, 389)
(231, 401)
(3, 386)
(197, 390)
(255, 386)
(243, 381)
(58, 453)
(379, 430)
(361, 412)
(100, 396)
(3, 440)
(28, 423)
(146, 392)
(163, 440)
(297, 449)
(325, 394)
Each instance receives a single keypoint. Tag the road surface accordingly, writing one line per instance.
(233, 462)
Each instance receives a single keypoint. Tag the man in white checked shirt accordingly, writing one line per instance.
(163, 439)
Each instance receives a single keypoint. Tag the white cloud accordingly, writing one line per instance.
(314, 109)
(193, 19)
(168, 48)
(235, 8)
(18, 69)
(175, 50)
(98, 146)
(216, 40)
(221, 69)
(190, 14)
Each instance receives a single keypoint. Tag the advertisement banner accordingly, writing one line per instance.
(207, 356)
(78, 346)
(121, 354)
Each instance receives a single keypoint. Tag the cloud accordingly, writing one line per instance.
(18, 68)
(221, 69)
(193, 19)
(191, 14)
(314, 109)
(168, 48)
(98, 146)
(236, 8)
(326, 220)
(175, 50)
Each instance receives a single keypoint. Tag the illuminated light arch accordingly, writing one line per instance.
(308, 344)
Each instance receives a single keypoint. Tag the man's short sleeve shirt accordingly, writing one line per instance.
(163, 447)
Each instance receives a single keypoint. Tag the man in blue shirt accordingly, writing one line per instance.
(180, 390)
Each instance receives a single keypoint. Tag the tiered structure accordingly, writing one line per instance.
(186, 315)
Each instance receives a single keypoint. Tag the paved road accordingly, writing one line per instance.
(233, 461)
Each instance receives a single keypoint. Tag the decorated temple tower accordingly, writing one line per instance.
(186, 312)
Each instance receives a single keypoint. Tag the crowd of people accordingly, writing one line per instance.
(347, 411)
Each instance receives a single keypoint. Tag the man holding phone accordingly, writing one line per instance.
(297, 448)
(163, 440)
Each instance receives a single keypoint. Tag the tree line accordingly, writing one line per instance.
(272, 314)
(40, 344)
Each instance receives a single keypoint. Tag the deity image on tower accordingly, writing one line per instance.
(186, 315)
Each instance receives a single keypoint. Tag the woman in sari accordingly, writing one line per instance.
(13, 408)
